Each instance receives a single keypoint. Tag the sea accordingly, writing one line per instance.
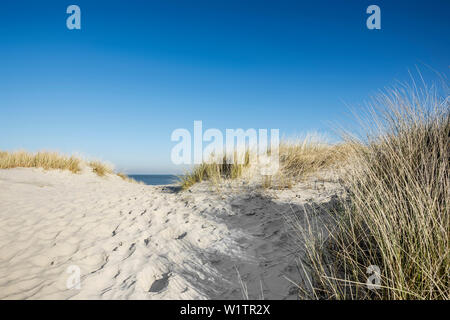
(155, 179)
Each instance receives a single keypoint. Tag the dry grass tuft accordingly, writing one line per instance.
(123, 176)
(128, 179)
(52, 160)
(396, 216)
(45, 160)
(297, 159)
(101, 169)
(301, 158)
(215, 172)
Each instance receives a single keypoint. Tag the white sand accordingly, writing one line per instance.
(133, 241)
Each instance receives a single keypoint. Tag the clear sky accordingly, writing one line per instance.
(137, 70)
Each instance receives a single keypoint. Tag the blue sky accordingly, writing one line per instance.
(137, 70)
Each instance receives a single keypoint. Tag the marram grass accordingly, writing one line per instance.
(45, 160)
(100, 168)
(215, 171)
(297, 160)
(54, 160)
(396, 213)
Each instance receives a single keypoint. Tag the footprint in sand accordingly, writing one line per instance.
(131, 250)
(181, 236)
(160, 284)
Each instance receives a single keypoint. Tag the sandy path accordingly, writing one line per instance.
(133, 241)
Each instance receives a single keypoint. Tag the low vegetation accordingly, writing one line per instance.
(45, 160)
(54, 160)
(298, 159)
(100, 168)
(128, 179)
(216, 171)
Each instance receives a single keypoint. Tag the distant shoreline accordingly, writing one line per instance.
(155, 179)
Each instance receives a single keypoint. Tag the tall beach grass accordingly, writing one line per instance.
(396, 213)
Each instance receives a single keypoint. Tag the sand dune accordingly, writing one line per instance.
(134, 241)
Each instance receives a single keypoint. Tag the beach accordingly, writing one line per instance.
(135, 241)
